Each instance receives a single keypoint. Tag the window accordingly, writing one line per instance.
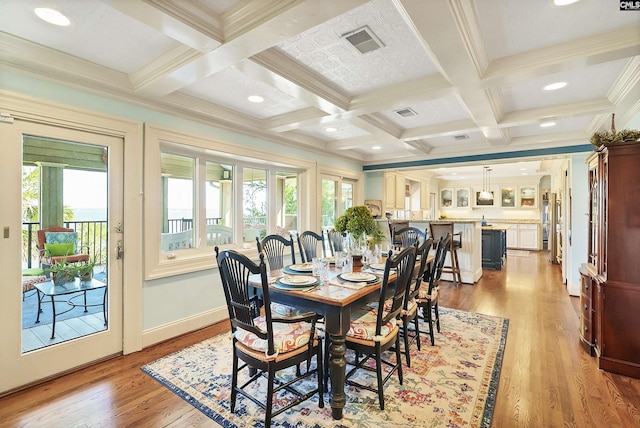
(177, 202)
(219, 204)
(254, 204)
(337, 196)
(287, 201)
(202, 193)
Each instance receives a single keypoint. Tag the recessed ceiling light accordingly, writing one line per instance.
(52, 16)
(454, 173)
(564, 2)
(255, 98)
(331, 129)
(376, 148)
(555, 86)
(523, 169)
(547, 124)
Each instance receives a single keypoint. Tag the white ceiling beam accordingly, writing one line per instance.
(250, 31)
(611, 46)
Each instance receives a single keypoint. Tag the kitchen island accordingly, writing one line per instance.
(494, 247)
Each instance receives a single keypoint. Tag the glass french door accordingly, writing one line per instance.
(54, 176)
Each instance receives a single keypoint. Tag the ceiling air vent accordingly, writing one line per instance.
(405, 112)
(461, 137)
(363, 39)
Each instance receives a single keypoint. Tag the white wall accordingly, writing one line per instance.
(579, 182)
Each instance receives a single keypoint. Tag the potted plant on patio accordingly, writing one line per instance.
(84, 270)
(61, 272)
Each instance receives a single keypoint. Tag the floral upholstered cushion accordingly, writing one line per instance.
(284, 310)
(363, 324)
(423, 294)
(62, 238)
(286, 337)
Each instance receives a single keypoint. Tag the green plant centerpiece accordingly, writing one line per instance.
(360, 224)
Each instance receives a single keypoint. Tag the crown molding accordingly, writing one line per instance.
(159, 68)
(195, 16)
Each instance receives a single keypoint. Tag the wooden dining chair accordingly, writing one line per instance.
(274, 248)
(308, 243)
(373, 331)
(427, 298)
(336, 241)
(266, 343)
(408, 236)
(409, 312)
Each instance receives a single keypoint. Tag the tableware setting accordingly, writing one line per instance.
(301, 267)
(358, 277)
(296, 282)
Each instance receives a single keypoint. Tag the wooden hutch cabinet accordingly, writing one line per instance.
(610, 280)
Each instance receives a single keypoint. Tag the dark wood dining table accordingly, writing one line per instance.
(335, 303)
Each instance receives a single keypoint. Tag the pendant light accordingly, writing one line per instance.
(486, 195)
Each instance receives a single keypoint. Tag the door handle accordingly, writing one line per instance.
(119, 250)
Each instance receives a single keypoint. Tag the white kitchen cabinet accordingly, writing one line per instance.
(512, 236)
(528, 236)
(394, 191)
(521, 236)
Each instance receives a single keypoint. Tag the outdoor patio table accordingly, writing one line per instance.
(76, 286)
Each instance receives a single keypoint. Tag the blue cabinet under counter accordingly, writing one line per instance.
(494, 247)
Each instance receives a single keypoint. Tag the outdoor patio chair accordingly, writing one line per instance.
(58, 244)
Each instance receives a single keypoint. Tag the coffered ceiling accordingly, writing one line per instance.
(449, 79)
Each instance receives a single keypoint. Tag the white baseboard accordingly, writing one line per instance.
(186, 325)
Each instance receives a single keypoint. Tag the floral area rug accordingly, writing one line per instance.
(451, 384)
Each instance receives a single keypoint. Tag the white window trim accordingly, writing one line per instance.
(160, 265)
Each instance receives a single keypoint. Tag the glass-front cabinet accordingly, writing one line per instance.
(528, 196)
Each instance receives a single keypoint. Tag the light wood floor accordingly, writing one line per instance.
(547, 379)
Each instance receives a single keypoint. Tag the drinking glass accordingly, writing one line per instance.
(324, 270)
(348, 264)
(316, 265)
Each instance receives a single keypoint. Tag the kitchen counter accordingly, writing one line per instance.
(470, 255)
(492, 227)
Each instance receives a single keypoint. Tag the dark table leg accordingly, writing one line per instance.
(337, 323)
(337, 370)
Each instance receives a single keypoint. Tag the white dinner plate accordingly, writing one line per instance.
(377, 266)
(302, 267)
(298, 280)
(358, 277)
